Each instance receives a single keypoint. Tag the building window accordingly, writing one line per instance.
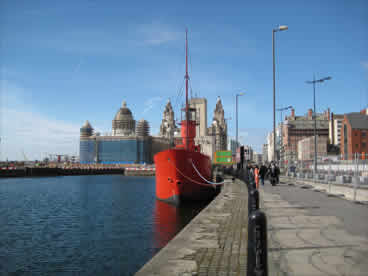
(356, 145)
(363, 133)
(363, 145)
(356, 134)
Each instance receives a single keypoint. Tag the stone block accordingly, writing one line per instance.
(364, 180)
(340, 179)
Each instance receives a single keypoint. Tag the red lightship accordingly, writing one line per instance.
(183, 173)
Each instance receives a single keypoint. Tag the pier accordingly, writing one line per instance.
(309, 237)
(213, 243)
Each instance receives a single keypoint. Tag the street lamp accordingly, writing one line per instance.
(280, 28)
(314, 81)
(281, 124)
(237, 95)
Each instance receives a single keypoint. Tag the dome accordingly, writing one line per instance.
(124, 113)
(86, 130)
(142, 129)
(123, 123)
(87, 125)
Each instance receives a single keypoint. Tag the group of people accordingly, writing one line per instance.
(259, 174)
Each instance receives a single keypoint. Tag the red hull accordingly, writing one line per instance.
(177, 179)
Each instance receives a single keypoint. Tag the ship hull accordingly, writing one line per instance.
(177, 179)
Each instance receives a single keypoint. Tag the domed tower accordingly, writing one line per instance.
(123, 123)
(142, 129)
(86, 130)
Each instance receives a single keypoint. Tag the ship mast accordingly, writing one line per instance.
(186, 88)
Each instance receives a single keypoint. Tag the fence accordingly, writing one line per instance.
(351, 165)
(349, 172)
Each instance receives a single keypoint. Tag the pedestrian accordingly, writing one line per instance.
(262, 173)
(256, 176)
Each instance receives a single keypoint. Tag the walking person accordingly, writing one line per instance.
(256, 175)
(262, 173)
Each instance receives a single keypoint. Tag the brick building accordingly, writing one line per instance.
(296, 128)
(354, 134)
(306, 148)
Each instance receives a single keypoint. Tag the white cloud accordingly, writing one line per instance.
(24, 130)
(151, 103)
(157, 34)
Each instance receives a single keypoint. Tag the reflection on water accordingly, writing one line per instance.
(169, 219)
(87, 225)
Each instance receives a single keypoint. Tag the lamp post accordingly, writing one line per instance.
(281, 124)
(237, 95)
(280, 28)
(314, 81)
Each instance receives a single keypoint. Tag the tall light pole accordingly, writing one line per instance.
(281, 124)
(237, 95)
(280, 28)
(314, 81)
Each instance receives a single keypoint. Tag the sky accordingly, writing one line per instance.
(65, 62)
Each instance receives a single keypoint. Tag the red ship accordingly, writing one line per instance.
(183, 173)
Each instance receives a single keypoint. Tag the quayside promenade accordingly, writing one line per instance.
(309, 233)
(213, 243)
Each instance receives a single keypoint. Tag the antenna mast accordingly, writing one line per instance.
(186, 88)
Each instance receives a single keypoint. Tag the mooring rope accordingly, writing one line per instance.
(187, 177)
(209, 182)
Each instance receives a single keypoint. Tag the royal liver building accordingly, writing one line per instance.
(211, 139)
(218, 128)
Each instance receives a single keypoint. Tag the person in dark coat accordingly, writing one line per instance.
(262, 173)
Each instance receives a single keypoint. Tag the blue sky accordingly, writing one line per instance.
(64, 62)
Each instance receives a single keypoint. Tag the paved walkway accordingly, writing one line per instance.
(213, 243)
(346, 190)
(303, 242)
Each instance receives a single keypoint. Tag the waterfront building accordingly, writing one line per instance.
(213, 138)
(296, 128)
(168, 128)
(354, 135)
(127, 143)
(218, 128)
(306, 148)
(265, 152)
(200, 105)
(334, 129)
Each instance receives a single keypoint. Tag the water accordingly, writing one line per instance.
(84, 225)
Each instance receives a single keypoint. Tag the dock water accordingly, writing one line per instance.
(213, 243)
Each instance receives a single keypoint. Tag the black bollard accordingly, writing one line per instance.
(253, 201)
(257, 245)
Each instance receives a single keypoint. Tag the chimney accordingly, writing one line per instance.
(310, 114)
(293, 113)
(328, 113)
